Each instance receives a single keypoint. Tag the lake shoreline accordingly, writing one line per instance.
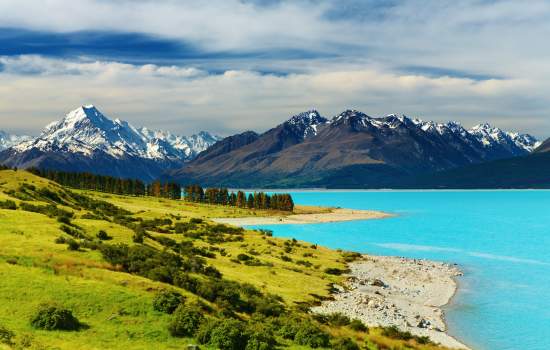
(333, 215)
(403, 292)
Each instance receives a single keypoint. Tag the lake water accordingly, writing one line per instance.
(500, 239)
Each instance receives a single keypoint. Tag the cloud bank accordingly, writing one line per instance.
(233, 65)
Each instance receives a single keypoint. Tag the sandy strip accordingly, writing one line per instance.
(407, 293)
(336, 215)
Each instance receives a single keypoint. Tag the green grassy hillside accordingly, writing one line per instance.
(107, 258)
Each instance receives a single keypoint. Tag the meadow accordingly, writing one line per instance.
(107, 258)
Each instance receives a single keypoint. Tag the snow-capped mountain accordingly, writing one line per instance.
(10, 140)
(489, 136)
(306, 123)
(86, 130)
(492, 142)
(87, 136)
(350, 150)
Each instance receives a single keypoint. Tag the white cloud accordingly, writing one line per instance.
(186, 100)
(371, 46)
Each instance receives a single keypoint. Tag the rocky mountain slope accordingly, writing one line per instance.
(350, 150)
(86, 140)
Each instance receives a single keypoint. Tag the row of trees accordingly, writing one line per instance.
(192, 193)
(89, 181)
(221, 196)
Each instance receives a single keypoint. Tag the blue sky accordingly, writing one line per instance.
(232, 65)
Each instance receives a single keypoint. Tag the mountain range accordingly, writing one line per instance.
(10, 140)
(86, 140)
(350, 150)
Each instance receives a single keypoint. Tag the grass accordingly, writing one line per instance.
(116, 306)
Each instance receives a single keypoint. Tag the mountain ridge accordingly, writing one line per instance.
(85, 139)
(319, 148)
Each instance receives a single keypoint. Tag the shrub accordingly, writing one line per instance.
(185, 321)
(204, 332)
(64, 220)
(60, 240)
(289, 327)
(312, 336)
(260, 338)
(358, 326)
(345, 344)
(139, 235)
(167, 301)
(334, 271)
(6, 336)
(53, 317)
(396, 333)
(72, 244)
(8, 204)
(351, 256)
(269, 305)
(195, 221)
(243, 257)
(229, 334)
(103, 236)
(338, 319)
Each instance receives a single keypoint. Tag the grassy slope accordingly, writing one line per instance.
(117, 306)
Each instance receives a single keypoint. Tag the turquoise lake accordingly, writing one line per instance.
(500, 239)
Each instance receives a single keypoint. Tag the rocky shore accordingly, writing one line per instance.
(407, 293)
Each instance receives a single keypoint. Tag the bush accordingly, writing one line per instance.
(185, 321)
(6, 336)
(229, 334)
(53, 317)
(334, 271)
(103, 236)
(358, 326)
(260, 338)
(243, 257)
(139, 235)
(204, 332)
(395, 333)
(289, 327)
(312, 336)
(64, 220)
(338, 319)
(167, 301)
(269, 305)
(8, 204)
(345, 344)
(72, 244)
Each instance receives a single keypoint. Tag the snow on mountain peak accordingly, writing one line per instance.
(305, 124)
(10, 140)
(86, 130)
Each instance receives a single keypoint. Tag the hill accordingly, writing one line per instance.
(532, 171)
(107, 258)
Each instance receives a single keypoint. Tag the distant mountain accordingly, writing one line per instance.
(86, 140)
(350, 150)
(530, 171)
(9, 140)
(544, 146)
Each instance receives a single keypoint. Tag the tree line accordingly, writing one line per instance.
(255, 200)
(171, 190)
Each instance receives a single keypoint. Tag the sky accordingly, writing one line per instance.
(232, 65)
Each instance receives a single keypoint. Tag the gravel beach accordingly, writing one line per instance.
(407, 293)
